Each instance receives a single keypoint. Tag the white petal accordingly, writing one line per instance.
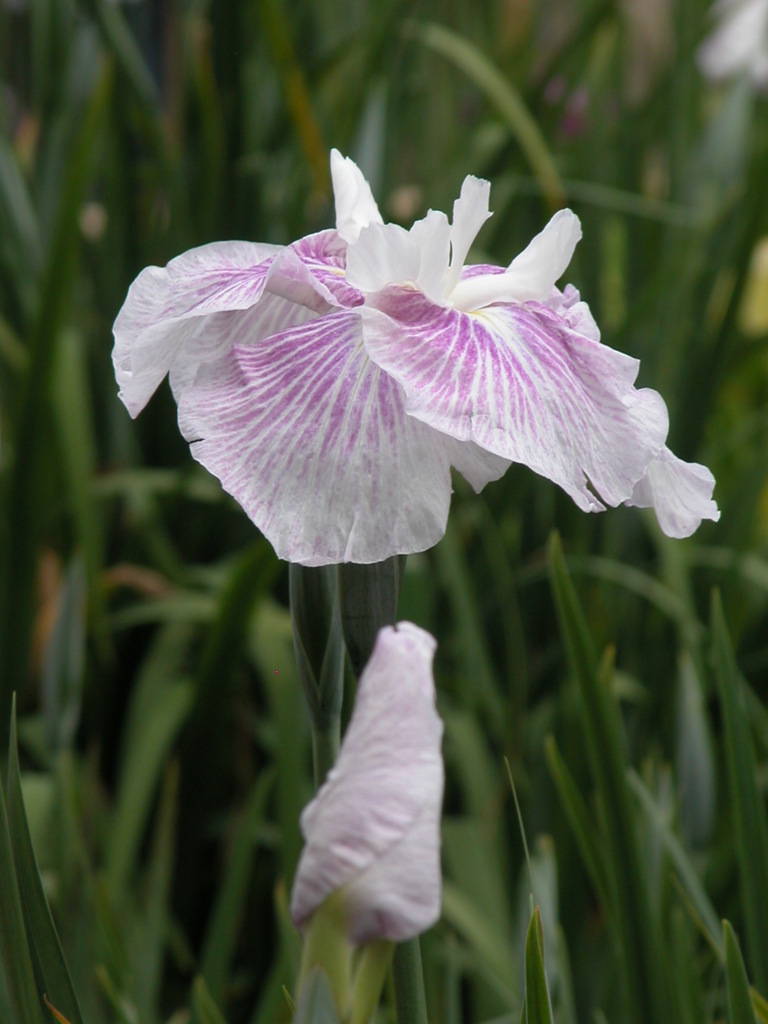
(679, 492)
(432, 235)
(520, 383)
(470, 212)
(531, 275)
(355, 206)
(373, 827)
(383, 254)
(478, 466)
(386, 254)
(313, 441)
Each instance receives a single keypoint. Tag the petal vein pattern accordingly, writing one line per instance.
(368, 359)
(517, 381)
(313, 441)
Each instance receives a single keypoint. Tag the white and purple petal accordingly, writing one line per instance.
(313, 440)
(373, 829)
(520, 383)
(679, 492)
(166, 306)
(190, 312)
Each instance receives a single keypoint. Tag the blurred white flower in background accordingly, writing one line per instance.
(739, 42)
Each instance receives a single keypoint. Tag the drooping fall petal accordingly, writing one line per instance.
(167, 311)
(517, 381)
(313, 441)
(679, 492)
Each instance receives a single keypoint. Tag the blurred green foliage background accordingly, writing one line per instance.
(143, 620)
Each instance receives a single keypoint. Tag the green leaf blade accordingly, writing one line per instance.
(749, 820)
(740, 1007)
(45, 948)
(538, 1006)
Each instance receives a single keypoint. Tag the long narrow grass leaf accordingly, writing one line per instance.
(538, 1007)
(45, 948)
(746, 805)
(740, 1007)
(204, 1006)
(14, 948)
(17, 562)
(501, 93)
(228, 909)
(680, 860)
(645, 982)
(141, 774)
(581, 822)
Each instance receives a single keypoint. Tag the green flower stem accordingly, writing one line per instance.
(408, 978)
(325, 747)
(318, 641)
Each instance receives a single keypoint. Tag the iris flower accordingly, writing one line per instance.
(373, 829)
(738, 43)
(331, 384)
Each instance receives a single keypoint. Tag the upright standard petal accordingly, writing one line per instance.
(519, 382)
(470, 212)
(531, 275)
(386, 254)
(373, 830)
(313, 441)
(679, 492)
(355, 206)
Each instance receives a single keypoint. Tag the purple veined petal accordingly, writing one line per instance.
(188, 313)
(576, 314)
(530, 276)
(313, 441)
(153, 322)
(470, 212)
(679, 492)
(373, 829)
(324, 255)
(221, 275)
(355, 206)
(207, 339)
(520, 383)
